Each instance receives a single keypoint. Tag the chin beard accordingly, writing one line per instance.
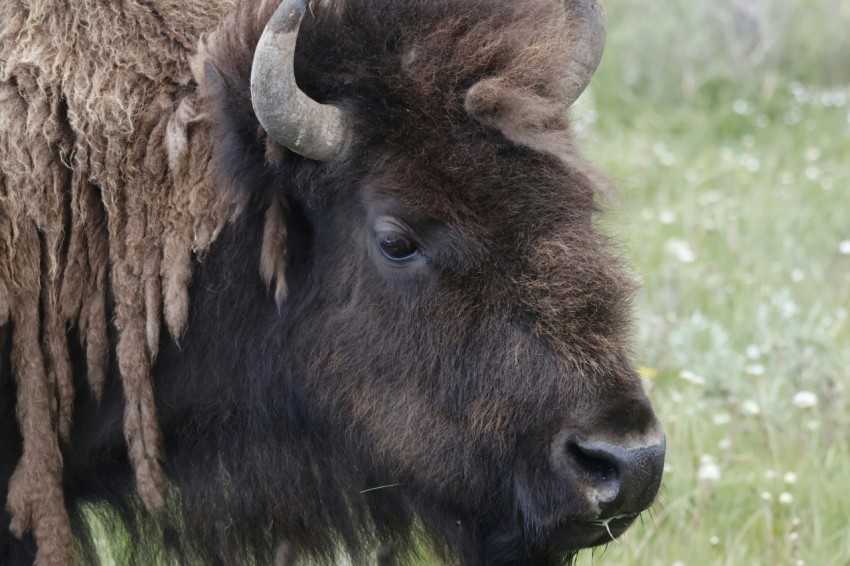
(555, 546)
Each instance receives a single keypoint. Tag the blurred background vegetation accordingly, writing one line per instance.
(726, 125)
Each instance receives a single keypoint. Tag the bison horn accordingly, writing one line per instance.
(588, 17)
(316, 131)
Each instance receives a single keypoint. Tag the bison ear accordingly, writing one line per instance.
(522, 116)
(274, 253)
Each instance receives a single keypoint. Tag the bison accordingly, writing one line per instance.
(288, 283)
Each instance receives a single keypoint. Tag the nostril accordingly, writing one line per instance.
(598, 466)
(618, 478)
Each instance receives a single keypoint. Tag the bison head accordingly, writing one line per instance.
(451, 355)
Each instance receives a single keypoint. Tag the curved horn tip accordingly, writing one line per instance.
(287, 16)
(590, 32)
(306, 127)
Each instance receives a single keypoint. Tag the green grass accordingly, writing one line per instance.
(734, 168)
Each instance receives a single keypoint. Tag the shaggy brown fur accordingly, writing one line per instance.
(109, 185)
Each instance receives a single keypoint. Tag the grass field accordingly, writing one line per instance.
(728, 131)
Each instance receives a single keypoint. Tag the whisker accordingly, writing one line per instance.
(382, 487)
(605, 523)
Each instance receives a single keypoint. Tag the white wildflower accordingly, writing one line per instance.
(766, 496)
(681, 250)
(786, 498)
(691, 377)
(754, 369)
(663, 154)
(812, 173)
(750, 407)
(709, 471)
(750, 163)
(835, 98)
(804, 400)
(710, 197)
(844, 247)
(741, 107)
(666, 217)
(790, 478)
(721, 419)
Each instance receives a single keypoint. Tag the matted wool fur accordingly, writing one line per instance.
(105, 194)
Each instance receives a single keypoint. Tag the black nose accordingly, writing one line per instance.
(619, 480)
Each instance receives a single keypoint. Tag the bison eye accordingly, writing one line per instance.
(396, 246)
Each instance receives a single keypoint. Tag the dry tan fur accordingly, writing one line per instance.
(273, 256)
(105, 168)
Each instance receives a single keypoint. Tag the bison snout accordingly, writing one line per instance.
(620, 480)
(616, 479)
(593, 486)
